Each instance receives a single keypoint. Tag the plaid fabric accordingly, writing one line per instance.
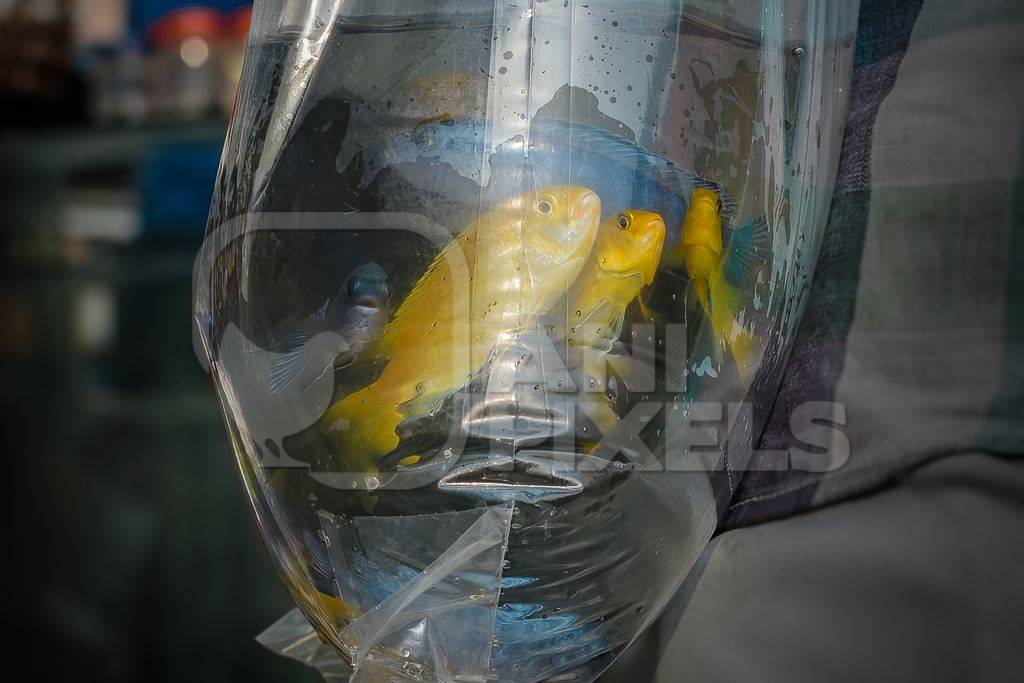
(914, 322)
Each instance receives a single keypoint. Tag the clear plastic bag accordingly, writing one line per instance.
(476, 276)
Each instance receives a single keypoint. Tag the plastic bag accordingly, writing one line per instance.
(483, 286)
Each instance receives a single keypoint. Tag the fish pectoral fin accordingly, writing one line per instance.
(286, 366)
(648, 314)
(747, 252)
(702, 296)
(304, 361)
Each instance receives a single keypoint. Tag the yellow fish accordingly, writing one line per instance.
(624, 261)
(485, 287)
(298, 577)
(715, 272)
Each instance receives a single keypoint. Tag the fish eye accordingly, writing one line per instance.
(544, 207)
(623, 222)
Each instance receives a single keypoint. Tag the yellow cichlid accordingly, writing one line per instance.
(624, 261)
(711, 267)
(484, 288)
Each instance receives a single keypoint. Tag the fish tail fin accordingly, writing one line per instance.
(744, 348)
(726, 302)
(749, 249)
(363, 425)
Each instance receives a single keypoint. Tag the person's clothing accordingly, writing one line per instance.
(915, 321)
(919, 582)
(904, 562)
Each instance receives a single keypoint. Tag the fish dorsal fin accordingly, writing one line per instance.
(614, 147)
(747, 252)
(688, 181)
(673, 178)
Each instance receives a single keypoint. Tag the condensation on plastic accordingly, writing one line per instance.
(524, 528)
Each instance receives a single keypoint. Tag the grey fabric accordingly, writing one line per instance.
(915, 583)
(923, 342)
(904, 563)
(931, 340)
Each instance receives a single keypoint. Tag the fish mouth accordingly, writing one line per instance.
(588, 207)
(366, 302)
(653, 241)
(585, 217)
(644, 253)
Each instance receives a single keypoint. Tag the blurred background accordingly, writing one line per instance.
(132, 554)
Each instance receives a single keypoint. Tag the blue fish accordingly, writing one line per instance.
(285, 387)
(623, 174)
(335, 334)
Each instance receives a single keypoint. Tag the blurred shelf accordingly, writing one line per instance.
(161, 262)
(61, 150)
(194, 406)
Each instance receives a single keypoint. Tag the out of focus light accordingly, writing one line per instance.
(95, 319)
(194, 52)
